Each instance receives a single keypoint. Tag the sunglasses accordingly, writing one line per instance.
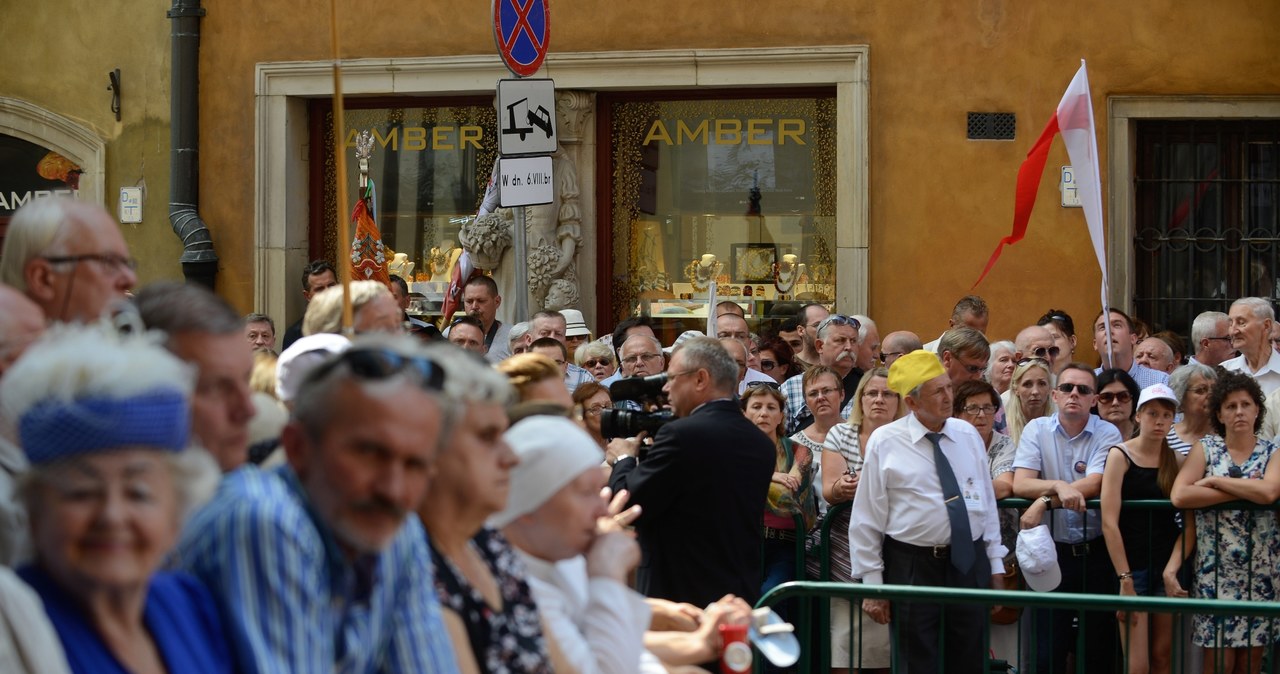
(1038, 361)
(839, 319)
(1043, 351)
(596, 362)
(1083, 389)
(379, 363)
(1109, 397)
(763, 384)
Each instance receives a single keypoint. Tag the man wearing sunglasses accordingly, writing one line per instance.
(320, 563)
(68, 257)
(1035, 341)
(1059, 464)
(836, 338)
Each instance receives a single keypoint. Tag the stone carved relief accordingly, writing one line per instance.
(553, 232)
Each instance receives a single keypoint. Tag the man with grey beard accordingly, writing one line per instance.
(836, 341)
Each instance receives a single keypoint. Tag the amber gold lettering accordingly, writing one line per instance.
(728, 131)
(758, 132)
(415, 138)
(440, 136)
(470, 135)
(793, 128)
(657, 132)
(683, 131)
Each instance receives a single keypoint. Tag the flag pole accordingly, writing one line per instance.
(340, 152)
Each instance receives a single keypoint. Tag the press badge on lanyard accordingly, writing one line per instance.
(972, 495)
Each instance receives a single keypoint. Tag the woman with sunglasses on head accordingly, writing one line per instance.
(791, 490)
(1117, 396)
(597, 358)
(594, 402)
(777, 359)
(1237, 551)
(1141, 542)
(1027, 397)
(874, 405)
(1192, 383)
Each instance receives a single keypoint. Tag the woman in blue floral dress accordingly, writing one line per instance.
(1237, 551)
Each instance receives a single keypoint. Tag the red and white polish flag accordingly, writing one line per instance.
(1074, 120)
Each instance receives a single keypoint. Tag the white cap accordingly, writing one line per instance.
(684, 337)
(1038, 559)
(1157, 392)
(553, 452)
(303, 356)
(574, 325)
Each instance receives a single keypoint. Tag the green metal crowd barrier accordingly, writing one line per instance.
(813, 617)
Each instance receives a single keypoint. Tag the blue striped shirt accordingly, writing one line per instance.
(293, 602)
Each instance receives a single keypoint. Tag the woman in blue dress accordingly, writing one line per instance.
(1237, 551)
(104, 420)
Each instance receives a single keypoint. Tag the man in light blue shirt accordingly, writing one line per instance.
(320, 565)
(1059, 464)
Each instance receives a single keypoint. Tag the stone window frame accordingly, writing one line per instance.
(282, 89)
(71, 139)
(1123, 114)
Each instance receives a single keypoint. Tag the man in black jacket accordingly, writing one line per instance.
(701, 486)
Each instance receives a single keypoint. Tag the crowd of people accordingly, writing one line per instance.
(179, 496)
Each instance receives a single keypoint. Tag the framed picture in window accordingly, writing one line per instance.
(752, 262)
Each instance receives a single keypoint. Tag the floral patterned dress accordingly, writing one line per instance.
(1237, 553)
(506, 641)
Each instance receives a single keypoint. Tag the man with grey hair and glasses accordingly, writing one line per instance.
(1210, 338)
(701, 486)
(69, 257)
(836, 340)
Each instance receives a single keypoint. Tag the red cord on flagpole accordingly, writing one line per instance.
(340, 150)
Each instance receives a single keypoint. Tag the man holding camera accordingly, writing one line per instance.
(701, 486)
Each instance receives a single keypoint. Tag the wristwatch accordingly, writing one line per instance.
(1048, 501)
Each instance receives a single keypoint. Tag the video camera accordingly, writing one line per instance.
(647, 391)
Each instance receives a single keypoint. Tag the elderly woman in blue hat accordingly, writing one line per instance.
(104, 420)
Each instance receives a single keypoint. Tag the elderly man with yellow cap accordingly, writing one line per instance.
(925, 514)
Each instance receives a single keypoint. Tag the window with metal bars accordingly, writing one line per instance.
(1207, 223)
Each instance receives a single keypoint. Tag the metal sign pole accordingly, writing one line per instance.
(522, 266)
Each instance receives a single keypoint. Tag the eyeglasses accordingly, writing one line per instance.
(868, 393)
(768, 364)
(379, 363)
(671, 376)
(885, 356)
(839, 319)
(597, 410)
(821, 392)
(1224, 338)
(639, 358)
(1199, 390)
(971, 369)
(1084, 389)
(1042, 351)
(1109, 397)
(976, 410)
(110, 261)
(596, 362)
(1038, 361)
(763, 384)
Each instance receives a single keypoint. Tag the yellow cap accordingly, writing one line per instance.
(912, 370)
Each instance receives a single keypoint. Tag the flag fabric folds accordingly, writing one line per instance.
(1073, 119)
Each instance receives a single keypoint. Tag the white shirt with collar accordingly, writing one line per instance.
(900, 495)
(1267, 376)
(1046, 447)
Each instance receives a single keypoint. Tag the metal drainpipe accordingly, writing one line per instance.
(199, 261)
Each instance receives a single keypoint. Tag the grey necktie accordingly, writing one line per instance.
(961, 537)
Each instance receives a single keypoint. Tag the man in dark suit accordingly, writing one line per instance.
(701, 486)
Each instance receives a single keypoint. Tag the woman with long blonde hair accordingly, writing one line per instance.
(1028, 396)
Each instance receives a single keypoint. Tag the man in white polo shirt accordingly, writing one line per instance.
(1250, 331)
